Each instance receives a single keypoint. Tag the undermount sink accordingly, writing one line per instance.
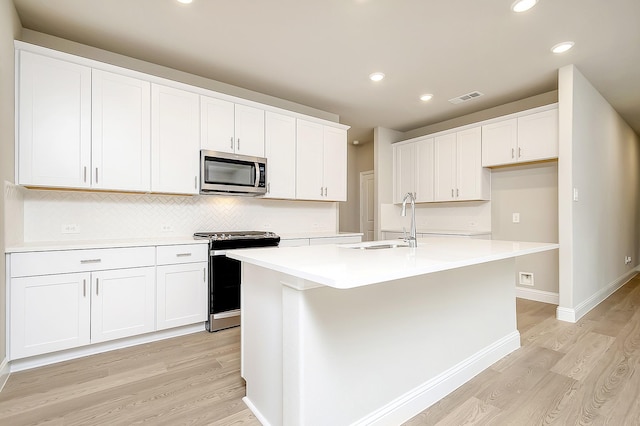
(385, 245)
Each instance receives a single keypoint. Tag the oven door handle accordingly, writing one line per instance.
(257, 166)
(217, 252)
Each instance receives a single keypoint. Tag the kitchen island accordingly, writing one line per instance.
(345, 334)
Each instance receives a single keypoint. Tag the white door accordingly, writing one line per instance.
(54, 126)
(181, 294)
(175, 143)
(367, 207)
(404, 170)
(445, 167)
(217, 124)
(280, 150)
(49, 313)
(309, 163)
(499, 143)
(249, 131)
(121, 140)
(424, 170)
(469, 164)
(122, 303)
(335, 164)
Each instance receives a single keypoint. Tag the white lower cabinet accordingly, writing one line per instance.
(181, 285)
(122, 303)
(49, 313)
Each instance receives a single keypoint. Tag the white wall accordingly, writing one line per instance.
(106, 215)
(9, 30)
(599, 156)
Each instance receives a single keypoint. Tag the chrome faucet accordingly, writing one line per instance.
(413, 242)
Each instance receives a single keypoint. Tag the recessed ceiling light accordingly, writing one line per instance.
(185, 1)
(562, 47)
(523, 5)
(426, 97)
(376, 76)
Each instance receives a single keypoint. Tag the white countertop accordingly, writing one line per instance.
(100, 244)
(344, 267)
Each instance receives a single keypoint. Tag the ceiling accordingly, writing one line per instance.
(320, 52)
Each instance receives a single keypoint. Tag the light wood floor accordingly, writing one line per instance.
(581, 374)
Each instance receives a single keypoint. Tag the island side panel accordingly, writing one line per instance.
(261, 342)
(371, 354)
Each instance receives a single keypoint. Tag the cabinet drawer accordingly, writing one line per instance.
(65, 261)
(183, 253)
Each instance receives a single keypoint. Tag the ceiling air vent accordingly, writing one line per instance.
(466, 97)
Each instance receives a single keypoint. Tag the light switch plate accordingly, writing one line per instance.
(516, 218)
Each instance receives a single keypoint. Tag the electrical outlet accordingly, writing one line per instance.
(166, 228)
(70, 228)
(627, 260)
(526, 278)
(516, 218)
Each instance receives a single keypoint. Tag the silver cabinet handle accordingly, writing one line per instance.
(85, 261)
(96, 175)
(325, 191)
(321, 189)
(84, 288)
(519, 152)
(451, 192)
(204, 274)
(238, 144)
(269, 188)
(183, 254)
(195, 182)
(513, 153)
(97, 286)
(231, 140)
(84, 174)
(457, 192)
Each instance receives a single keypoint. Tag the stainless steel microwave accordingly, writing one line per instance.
(232, 174)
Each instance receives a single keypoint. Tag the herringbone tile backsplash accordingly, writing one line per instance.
(116, 215)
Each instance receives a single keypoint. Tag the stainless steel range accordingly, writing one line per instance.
(224, 273)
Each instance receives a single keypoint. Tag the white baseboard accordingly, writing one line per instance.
(537, 295)
(574, 314)
(255, 411)
(5, 371)
(52, 358)
(418, 399)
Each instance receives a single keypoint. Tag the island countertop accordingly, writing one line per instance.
(346, 266)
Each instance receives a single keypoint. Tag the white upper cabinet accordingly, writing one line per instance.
(335, 164)
(414, 170)
(459, 175)
(232, 128)
(175, 140)
(321, 162)
(121, 140)
(531, 137)
(538, 136)
(54, 122)
(280, 150)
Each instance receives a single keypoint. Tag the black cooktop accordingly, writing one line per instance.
(239, 239)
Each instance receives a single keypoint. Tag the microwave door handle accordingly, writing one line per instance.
(257, 184)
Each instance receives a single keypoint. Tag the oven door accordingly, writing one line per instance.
(224, 291)
(232, 174)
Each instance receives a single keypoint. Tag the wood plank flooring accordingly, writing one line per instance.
(584, 374)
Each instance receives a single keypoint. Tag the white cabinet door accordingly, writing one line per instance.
(538, 136)
(469, 165)
(122, 303)
(249, 131)
(445, 167)
(121, 123)
(217, 124)
(181, 294)
(404, 162)
(499, 143)
(309, 164)
(424, 170)
(54, 122)
(335, 164)
(280, 150)
(175, 144)
(49, 313)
